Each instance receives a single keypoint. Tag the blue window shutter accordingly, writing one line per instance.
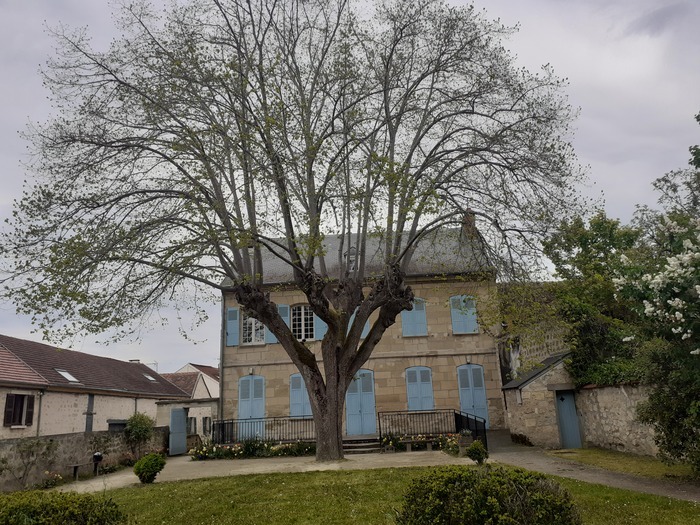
(407, 323)
(463, 312)
(232, 325)
(299, 404)
(283, 310)
(420, 319)
(419, 388)
(320, 328)
(412, 389)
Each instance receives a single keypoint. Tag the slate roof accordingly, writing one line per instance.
(185, 381)
(211, 371)
(536, 372)
(36, 364)
(447, 251)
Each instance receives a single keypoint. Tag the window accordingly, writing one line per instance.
(302, 322)
(206, 425)
(149, 377)
(67, 375)
(463, 310)
(299, 404)
(191, 426)
(414, 322)
(19, 410)
(252, 331)
(419, 388)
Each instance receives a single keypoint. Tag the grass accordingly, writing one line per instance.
(350, 497)
(645, 466)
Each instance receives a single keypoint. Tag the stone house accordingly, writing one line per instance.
(201, 384)
(47, 390)
(436, 356)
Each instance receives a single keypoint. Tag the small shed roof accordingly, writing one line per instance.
(537, 371)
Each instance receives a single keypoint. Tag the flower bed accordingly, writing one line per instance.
(252, 448)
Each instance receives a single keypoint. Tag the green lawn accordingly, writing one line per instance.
(350, 497)
(646, 466)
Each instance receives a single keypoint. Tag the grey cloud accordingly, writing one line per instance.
(659, 20)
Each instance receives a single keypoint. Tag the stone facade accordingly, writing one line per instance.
(608, 419)
(607, 415)
(66, 412)
(200, 409)
(440, 350)
(532, 409)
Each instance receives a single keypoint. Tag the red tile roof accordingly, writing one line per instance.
(185, 381)
(92, 372)
(211, 371)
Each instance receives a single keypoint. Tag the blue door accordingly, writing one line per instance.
(568, 419)
(419, 388)
(472, 391)
(359, 405)
(251, 407)
(178, 431)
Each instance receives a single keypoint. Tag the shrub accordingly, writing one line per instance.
(138, 431)
(252, 448)
(486, 497)
(148, 467)
(477, 452)
(48, 508)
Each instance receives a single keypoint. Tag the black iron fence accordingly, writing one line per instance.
(279, 429)
(408, 422)
(430, 423)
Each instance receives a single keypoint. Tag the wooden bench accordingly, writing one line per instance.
(427, 441)
(76, 467)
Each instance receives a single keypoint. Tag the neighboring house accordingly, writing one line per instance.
(201, 383)
(435, 356)
(48, 390)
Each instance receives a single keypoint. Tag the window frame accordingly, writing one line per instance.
(258, 329)
(19, 410)
(305, 332)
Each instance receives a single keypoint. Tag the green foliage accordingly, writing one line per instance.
(252, 448)
(148, 467)
(673, 406)
(477, 452)
(138, 431)
(50, 508)
(613, 372)
(486, 497)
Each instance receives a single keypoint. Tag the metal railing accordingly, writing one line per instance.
(279, 429)
(431, 422)
(407, 422)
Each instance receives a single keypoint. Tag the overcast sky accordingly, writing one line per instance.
(633, 68)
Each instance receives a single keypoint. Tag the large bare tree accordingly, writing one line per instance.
(222, 130)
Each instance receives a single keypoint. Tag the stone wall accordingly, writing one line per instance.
(608, 419)
(532, 410)
(67, 450)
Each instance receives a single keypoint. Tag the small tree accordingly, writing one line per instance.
(138, 432)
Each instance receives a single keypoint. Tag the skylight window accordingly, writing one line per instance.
(150, 378)
(67, 375)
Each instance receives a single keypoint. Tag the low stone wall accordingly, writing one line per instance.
(66, 450)
(608, 419)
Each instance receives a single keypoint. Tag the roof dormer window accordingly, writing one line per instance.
(67, 375)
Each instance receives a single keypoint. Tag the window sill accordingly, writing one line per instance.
(17, 427)
(253, 344)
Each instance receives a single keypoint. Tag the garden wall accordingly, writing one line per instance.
(18, 469)
(608, 419)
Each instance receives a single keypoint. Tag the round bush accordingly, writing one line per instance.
(477, 452)
(49, 508)
(148, 467)
(486, 496)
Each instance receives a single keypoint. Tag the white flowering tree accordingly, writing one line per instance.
(670, 292)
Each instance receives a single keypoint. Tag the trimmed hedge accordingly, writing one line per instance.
(50, 508)
(486, 496)
(148, 467)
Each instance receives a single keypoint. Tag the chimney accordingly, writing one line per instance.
(469, 225)
(135, 361)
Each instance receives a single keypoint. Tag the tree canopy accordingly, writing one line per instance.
(219, 131)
